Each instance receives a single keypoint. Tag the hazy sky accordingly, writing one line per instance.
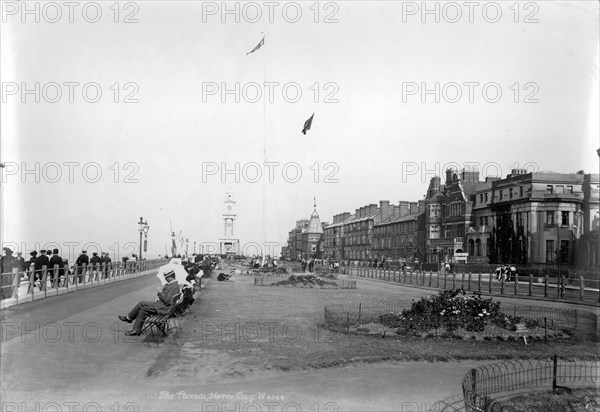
(375, 136)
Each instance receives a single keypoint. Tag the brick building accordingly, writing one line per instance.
(449, 214)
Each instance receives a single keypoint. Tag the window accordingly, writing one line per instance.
(549, 189)
(564, 251)
(486, 220)
(560, 189)
(481, 198)
(549, 218)
(501, 194)
(481, 221)
(510, 193)
(478, 247)
(550, 251)
(521, 191)
(569, 190)
(471, 247)
(486, 197)
(564, 218)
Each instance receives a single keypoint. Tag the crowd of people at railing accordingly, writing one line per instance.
(48, 267)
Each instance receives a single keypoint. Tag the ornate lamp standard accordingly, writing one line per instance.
(146, 230)
(194, 247)
(186, 247)
(142, 229)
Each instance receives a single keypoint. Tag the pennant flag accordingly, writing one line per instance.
(258, 46)
(308, 124)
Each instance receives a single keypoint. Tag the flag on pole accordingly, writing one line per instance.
(258, 46)
(308, 124)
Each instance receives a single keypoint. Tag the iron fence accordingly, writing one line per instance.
(50, 281)
(579, 323)
(485, 387)
(568, 289)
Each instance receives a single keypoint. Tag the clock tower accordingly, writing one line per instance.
(229, 245)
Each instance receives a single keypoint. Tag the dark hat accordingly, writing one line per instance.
(84, 251)
(95, 254)
(19, 253)
(34, 253)
(55, 251)
(43, 251)
(7, 250)
(169, 273)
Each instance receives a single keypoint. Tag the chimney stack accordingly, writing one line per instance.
(384, 209)
(372, 208)
(414, 208)
(404, 208)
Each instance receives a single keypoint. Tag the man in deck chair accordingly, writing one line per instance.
(144, 308)
(224, 277)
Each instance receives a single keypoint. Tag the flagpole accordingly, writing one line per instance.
(264, 153)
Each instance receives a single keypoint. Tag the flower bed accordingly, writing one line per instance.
(455, 314)
(306, 281)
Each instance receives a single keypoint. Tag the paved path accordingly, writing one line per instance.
(70, 352)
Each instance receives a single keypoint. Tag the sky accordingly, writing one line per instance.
(169, 112)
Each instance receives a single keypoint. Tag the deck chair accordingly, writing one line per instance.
(162, 322)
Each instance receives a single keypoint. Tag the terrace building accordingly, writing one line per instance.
(358, 233)
(400, 233)
(333, 237)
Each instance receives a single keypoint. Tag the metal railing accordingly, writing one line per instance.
(485, 387)
(50, 281)
(567, 289)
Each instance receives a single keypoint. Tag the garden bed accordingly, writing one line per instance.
(455, 315)
(307, 281)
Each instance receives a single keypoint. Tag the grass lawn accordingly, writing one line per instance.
(237, 328)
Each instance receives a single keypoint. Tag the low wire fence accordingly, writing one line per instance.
(580, 323)
(19, 286)
(487, 387)
(576, 289)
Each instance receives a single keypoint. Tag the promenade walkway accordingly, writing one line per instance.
(69, 352)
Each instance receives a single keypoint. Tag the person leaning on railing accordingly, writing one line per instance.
(7, 263)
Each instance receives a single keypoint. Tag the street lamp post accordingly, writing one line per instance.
(146, 230)
(194, 247)
(186, 247)
(142, 229)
